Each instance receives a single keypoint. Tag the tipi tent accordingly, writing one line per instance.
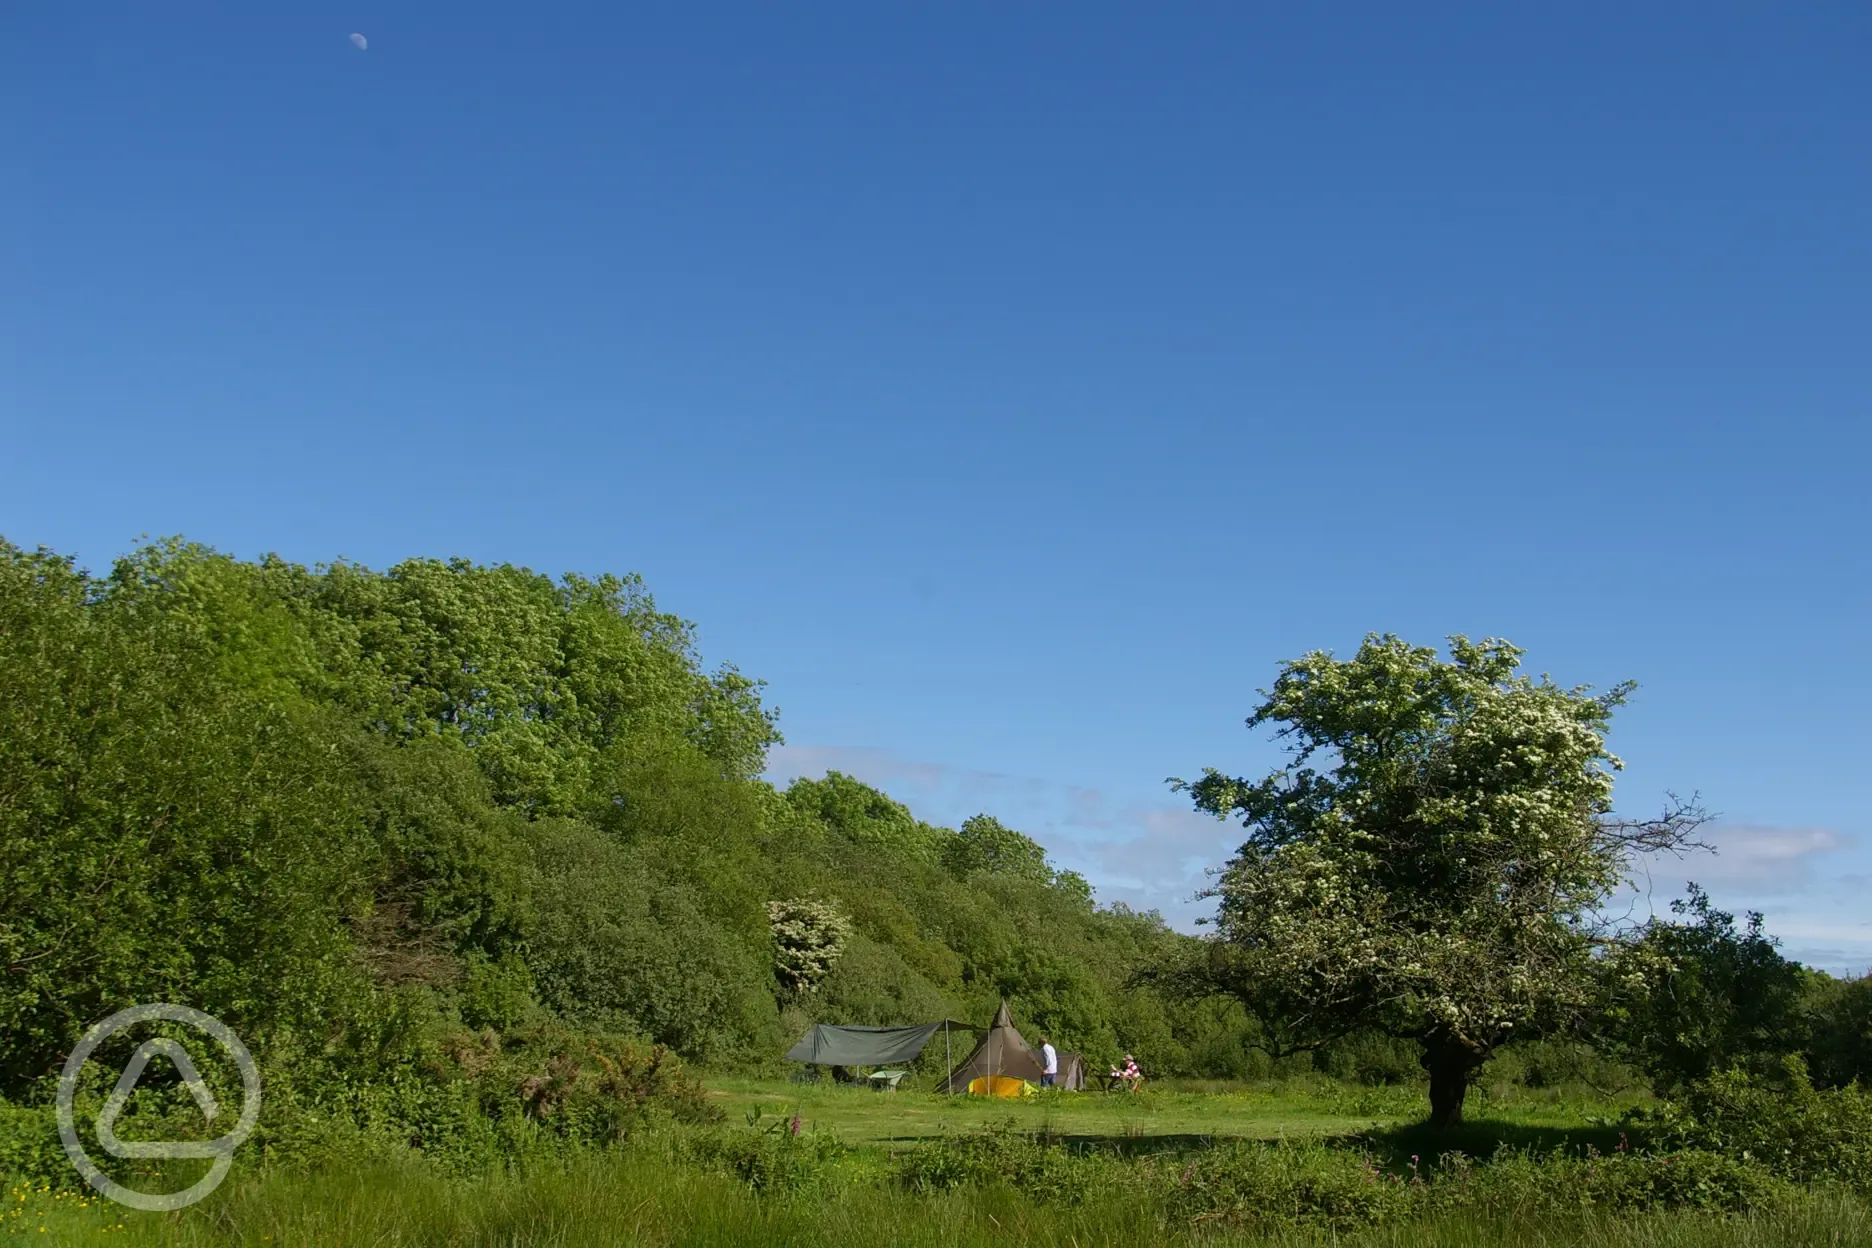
(1002, 1052)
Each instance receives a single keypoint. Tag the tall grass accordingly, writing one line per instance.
(841, 1167)
(621, 1199)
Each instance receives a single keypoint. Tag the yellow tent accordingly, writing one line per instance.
(999, 1085)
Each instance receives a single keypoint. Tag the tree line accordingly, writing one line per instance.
(341, 808)
(350, 811)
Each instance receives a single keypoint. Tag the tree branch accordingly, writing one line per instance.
(1672, 832)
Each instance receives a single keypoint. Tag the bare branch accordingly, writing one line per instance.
(1672, 832)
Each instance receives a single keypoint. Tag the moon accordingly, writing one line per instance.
(363, 44)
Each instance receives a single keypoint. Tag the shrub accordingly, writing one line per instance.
(776, 1158)
(1622, 1181)
(585, 1088)
(1782, 1122)
(1288, 1184)
(467, 1101)
(620, 946)
(29, 1146)
(1042, 1170)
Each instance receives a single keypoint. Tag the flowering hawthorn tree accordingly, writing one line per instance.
(809, 936)
(1433, 861)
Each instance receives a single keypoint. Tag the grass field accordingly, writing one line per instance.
(645, 1194)
(1174, 1117)
(890, 1120)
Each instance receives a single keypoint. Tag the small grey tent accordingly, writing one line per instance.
(1002, 1052)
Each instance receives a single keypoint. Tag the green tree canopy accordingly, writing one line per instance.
(167, 830)
(1431, 862)
(860, 813)
(1693, 996)
(987, 844)
(348, 810)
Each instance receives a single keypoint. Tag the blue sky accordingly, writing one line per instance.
(1012, 386)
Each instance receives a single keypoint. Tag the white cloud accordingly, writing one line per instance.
(1753, 861)
(876, 767)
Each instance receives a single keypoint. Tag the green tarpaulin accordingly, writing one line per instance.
(829, 1045)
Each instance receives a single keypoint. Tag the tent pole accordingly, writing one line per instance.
(948, 1057)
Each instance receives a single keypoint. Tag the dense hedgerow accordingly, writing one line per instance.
(465, 1103)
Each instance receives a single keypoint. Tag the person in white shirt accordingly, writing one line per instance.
(1049, 1063)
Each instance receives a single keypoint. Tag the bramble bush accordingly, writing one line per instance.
(777, 1159)
(1043, 1170)
(1306, 1184)
(1781, 1122)
(488, 1098)
(1625, 1181)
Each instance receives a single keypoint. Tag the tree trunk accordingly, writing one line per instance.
(1450, 1066)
